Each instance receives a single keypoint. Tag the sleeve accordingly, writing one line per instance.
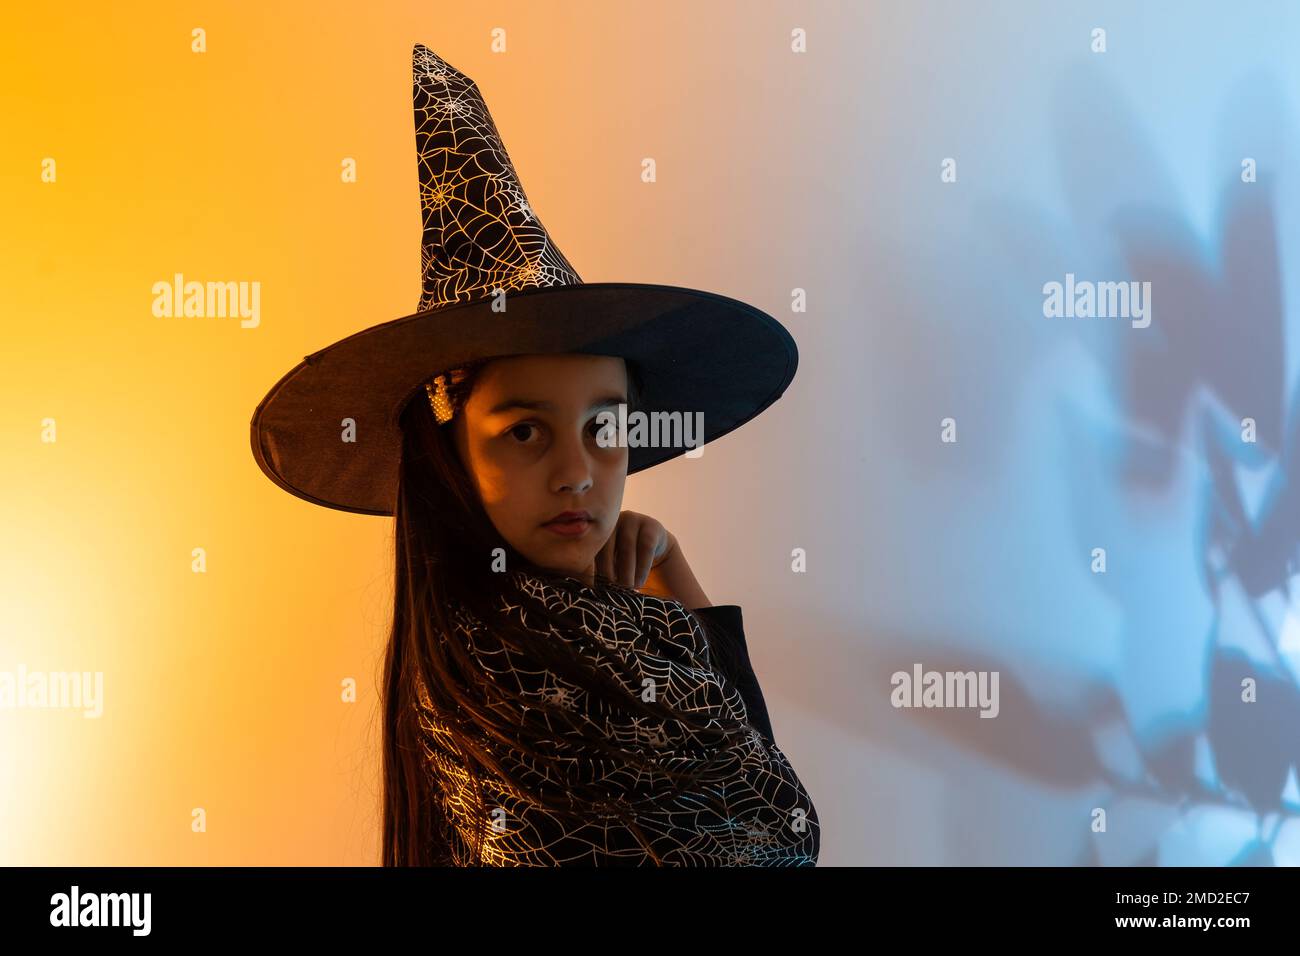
(727, 624)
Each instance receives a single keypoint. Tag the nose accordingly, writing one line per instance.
(572, 470)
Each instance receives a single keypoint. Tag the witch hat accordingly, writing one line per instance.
(495, 284)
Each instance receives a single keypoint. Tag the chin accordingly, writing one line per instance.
(570, 565)
(563, 559)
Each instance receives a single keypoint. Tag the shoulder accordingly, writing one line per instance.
(623, 618)
(727, 616)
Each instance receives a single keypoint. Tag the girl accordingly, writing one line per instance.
(557, 689)
(521, 698)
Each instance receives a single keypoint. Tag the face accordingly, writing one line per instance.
(527, 438)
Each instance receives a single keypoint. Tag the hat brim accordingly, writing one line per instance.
(697, 351)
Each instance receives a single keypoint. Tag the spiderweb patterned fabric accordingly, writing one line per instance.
(770, 819)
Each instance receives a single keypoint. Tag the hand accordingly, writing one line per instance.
(638, 544)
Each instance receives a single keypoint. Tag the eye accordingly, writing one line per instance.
(514, 430)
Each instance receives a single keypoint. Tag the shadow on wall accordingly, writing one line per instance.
(1203, 722)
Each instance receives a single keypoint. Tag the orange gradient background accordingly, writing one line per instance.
(222, 689)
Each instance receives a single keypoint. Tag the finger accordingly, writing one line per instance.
(625, 556)
(645, 555)
(669, 542)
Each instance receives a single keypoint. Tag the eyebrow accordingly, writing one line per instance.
(510, 403)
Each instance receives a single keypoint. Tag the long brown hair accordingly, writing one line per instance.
(444, 540)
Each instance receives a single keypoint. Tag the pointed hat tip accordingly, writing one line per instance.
(424, 60)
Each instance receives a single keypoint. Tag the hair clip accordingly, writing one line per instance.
(439, 400)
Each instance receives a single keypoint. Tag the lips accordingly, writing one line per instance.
(570, 516)
(572, 524)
